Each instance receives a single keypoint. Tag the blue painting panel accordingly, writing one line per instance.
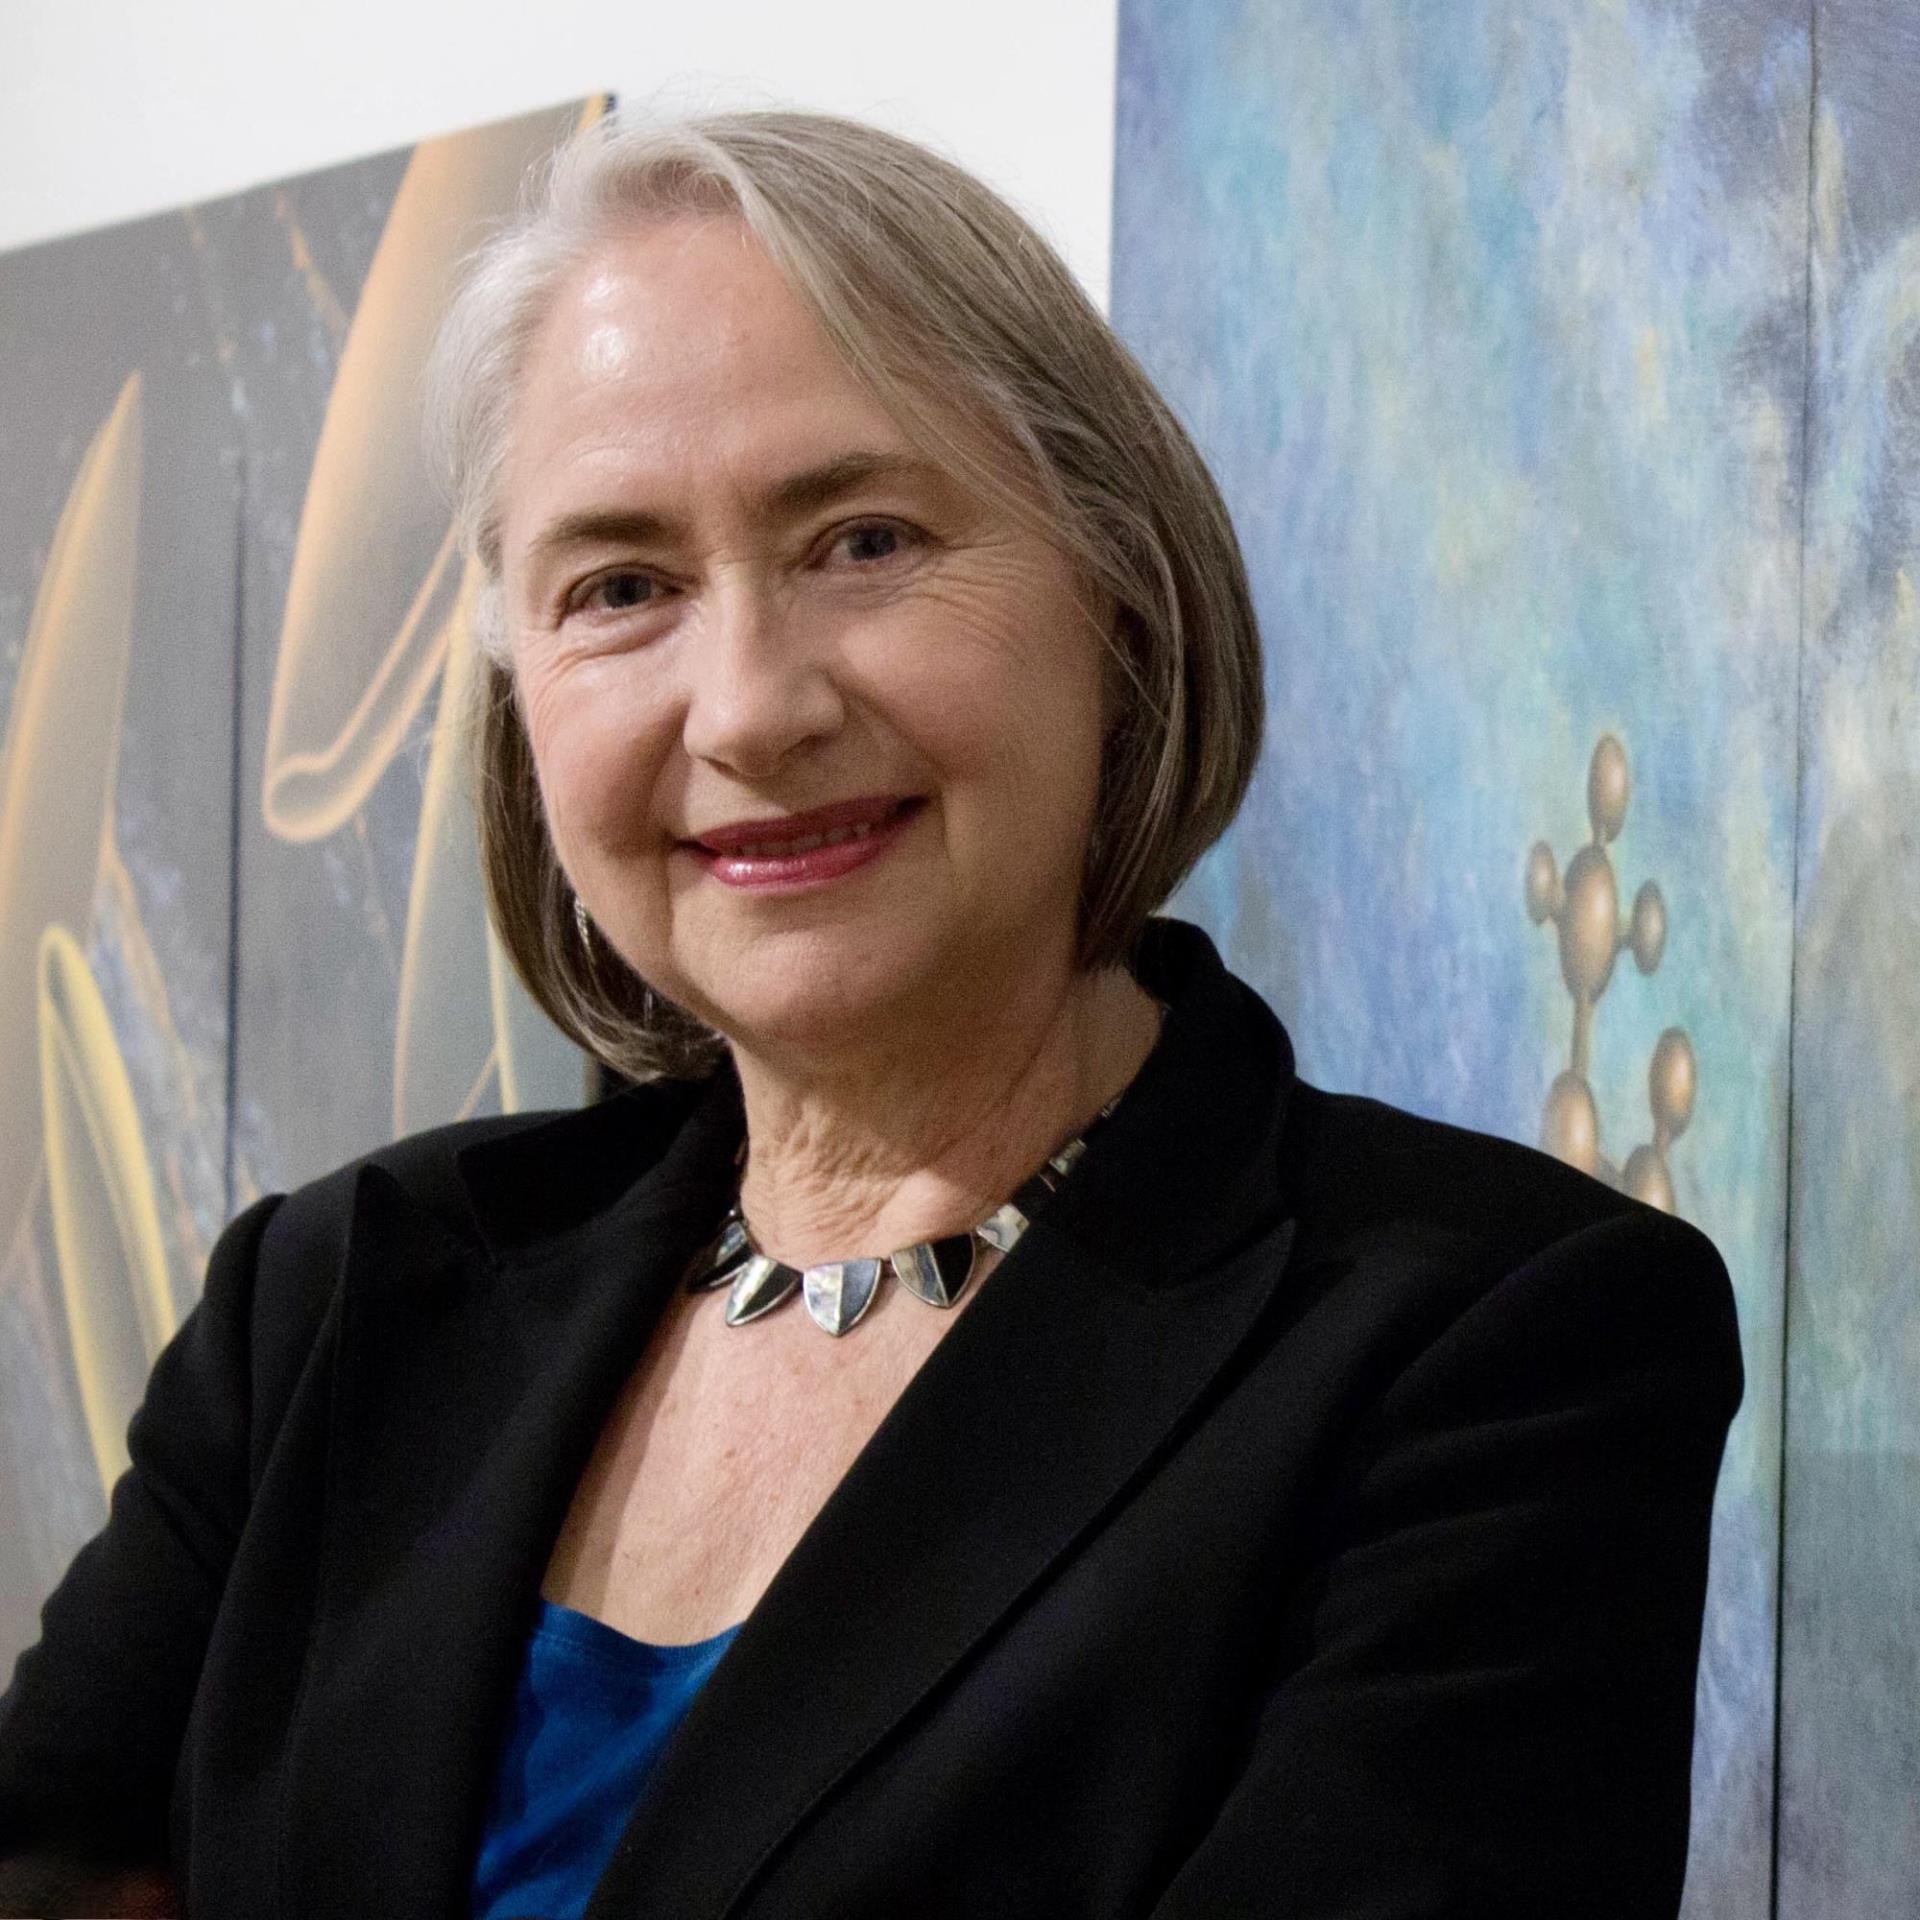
(1490, 321)
(1850, 1623)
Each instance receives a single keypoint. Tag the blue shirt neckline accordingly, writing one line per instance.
(593, 1709)
(594, 1637)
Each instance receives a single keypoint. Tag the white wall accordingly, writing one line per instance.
(114, 108)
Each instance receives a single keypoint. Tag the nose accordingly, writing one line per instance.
(758, 681)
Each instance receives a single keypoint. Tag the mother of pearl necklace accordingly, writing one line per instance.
(838, 1292)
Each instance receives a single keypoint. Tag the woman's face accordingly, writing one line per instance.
(737, 593)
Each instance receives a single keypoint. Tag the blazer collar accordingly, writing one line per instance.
(476, 1374)
(1192, 1152)
(471, 1382)
(1091, 1343)
(597, 1167)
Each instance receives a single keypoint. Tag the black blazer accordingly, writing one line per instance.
(1309, 1518)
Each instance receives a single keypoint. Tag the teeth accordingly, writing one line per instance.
(787, 849)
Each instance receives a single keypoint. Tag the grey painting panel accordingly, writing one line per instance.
(319, 925)
(225, 575)
(1490, 319)
(370, 999)
(115, 825)
(1850, 1684)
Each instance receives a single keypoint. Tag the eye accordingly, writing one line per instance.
(868, 542)
(620, 591)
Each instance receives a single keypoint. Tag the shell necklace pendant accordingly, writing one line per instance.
(838, 1292)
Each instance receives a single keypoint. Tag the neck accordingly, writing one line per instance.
(930, 1131)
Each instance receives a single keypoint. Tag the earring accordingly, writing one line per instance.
(584, 927)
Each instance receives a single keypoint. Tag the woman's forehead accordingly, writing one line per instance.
(670, 366)
(675, 309)
(677, 360)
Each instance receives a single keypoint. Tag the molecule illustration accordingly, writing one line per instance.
(1584, 906)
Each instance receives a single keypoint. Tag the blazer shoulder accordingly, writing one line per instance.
(424, 1164)
(1387, 1162)
(617, 1133)
(309, 1223)
(1389, 1190)
(560, 1162)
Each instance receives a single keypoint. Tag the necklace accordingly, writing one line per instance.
(838, 1292)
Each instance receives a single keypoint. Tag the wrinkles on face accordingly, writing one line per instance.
(757, 641)
(737, 589)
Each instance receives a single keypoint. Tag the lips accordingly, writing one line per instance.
(790, 833)
(801, 862)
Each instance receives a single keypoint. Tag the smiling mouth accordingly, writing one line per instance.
(750, 842)
(786, 849)
(806, 860)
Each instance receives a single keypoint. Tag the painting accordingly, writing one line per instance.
(1850, 1590)
(242, 926)
(1493, 325)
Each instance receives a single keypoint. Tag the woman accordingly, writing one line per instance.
(971, 1432)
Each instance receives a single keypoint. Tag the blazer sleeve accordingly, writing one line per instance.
(1487, 1692)
(91, 1728)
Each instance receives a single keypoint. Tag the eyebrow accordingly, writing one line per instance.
(786, 499)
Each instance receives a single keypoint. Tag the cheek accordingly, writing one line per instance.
(1010, 715)
(592, 758)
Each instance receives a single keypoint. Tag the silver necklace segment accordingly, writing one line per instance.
(838, 1292)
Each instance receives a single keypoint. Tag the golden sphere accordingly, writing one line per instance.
(1672, 1081)
(1607, 789)
(1543, 885)
(1649, 934)
(1589, 924)
(1646, 1178)
(1570, 1126)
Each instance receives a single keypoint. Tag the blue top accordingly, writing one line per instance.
(590, 1715)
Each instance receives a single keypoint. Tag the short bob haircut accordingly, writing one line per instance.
(966, 326)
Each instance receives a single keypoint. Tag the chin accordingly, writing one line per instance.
(836, 996)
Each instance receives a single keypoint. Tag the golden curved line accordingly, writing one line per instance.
(539, 1067)
(500, 984)
(463, 1023)
(150, 1005)
(63, 740)
(106, 1224)
(443, 1026)
(346, 682)
(320, 296)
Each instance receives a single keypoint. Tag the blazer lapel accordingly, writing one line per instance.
(478, 1362)
(1025, 1427)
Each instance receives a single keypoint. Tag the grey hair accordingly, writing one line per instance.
(968, 328)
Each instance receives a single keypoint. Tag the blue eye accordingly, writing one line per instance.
(872, 543)
(620, 592)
